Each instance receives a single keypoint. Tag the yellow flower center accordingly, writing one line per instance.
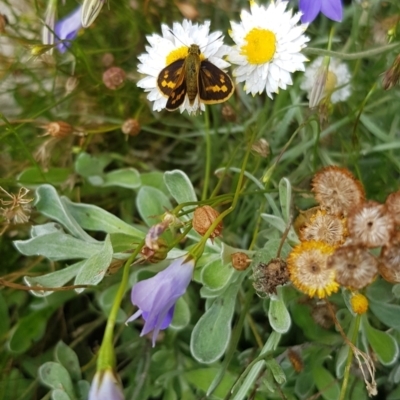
(331, 82)
(177, 54)
(359, 303)
(260, 47)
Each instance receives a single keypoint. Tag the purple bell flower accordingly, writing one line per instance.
(105, 386)
(332, 9)
(156, 296)
(67, 29)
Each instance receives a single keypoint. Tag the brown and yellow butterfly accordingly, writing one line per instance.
(193, 76)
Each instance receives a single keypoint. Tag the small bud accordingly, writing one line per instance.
(295, 360)
(318, 88)
(359, 303)
(3, 23)
(131, 127)
(114, 78)
(392, 75)
(107, 60)
(203, 218)
(240, 261)
(59, 129)
(71, 84)
(228, 113)
(39, 49)
(261, 147)
(267, 277)
(90, 10)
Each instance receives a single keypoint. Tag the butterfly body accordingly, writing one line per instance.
(194, 77)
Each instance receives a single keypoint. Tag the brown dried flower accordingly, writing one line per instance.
(296, 361)
(156, 253)
(240, 261)
(267, 277)
(355, 266)
(322, 316)
(392, 76)
(261, 147)
(324, 227)
(131, 127)
(203, 218)
(336, 190)
(18, 209)
(114, 78)
(57, 129)
(393, 206)
(370, 225)
(389, 261)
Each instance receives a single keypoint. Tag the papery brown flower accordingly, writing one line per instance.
(267, 277)
(322, 316)
(336, 190)
(114, 78)
(389, 260)
(131, 127)
(261, 147)
(17, 210)
(355, 266)
(326, 228)
(240, 261)
(370, 225)
(57, 129)
(392, 76)
(203, 218)
(393, 206)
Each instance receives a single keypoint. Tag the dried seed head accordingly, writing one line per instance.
(393, 206)
(336, 190)
(203, 218)
(303, 219)
(389, 261)
(240, 261)
(58, 129)
(370, 225)
(17, 209)
(114, 78)
(308, 271)
(355, 266)
(359, 303)
(267, 277)
(321, 315)
(107, 60)
(228, 113)
(261, 147)
(392, 76)
(295, 360)
(157, 253)
(326, 228)
(131, 127)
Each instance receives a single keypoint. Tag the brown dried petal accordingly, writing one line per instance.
(203, 218)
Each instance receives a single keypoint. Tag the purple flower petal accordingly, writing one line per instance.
(310, 9)
(67, 29)
(156, 296)
(105, 386)
(332, 9)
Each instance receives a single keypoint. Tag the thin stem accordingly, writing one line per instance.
(208, 156)
(106, 353)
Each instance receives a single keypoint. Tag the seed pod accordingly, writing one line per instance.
(240, 261)
(203, 218)
(267, 277)
(131, 127)
(114, 78)
(59, 129)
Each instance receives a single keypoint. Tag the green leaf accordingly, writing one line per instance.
(4, 318)
(59, 394)
(94, 218)
(285, 198)
(180, 187)
(49, 204)
(154, 179)
(384, 345)
(106, 300)
(386, 313)
(127, 177)
(44, 229)
(212, 333)
(69, 360)
(151, 204)
(57, 246)
(276, 371)
(304, 384)
(216, 275)
(89, 166)
(326, 383)
(181, 315)
(53, 279)
(278, 316)
(55, 376)
(341, 360)
(95, 267)
(32, 176)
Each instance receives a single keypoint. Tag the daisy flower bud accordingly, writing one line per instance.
(307, 265)
(355, 266)
(324, 227)
(203, 218)
(267, 277)
(336, 190)
(268, 42)
(156, 296)
(359, 303)
(114, 78)
(240, 261)
(370, 225)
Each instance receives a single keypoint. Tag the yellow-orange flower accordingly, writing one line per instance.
(359, 303)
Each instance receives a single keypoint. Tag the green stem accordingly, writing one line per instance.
(106, 353)
(208, 156)
(349, 358)
(354, 56)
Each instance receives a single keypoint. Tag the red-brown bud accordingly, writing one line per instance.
(131, 127)
(203, 218)
(240, 261)
(114, 78)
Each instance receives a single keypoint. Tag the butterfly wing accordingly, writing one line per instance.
(171, 83)
(215, 86)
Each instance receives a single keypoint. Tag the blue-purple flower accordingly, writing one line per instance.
(156, 296)
(105, 386)
(67, 29)
(332, 9)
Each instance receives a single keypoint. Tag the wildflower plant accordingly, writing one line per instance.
(244, 245)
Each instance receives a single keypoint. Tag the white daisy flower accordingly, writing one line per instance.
(268, 44)
(335, 83)
(174, 45)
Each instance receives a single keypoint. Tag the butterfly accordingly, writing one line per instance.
(192, 77)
